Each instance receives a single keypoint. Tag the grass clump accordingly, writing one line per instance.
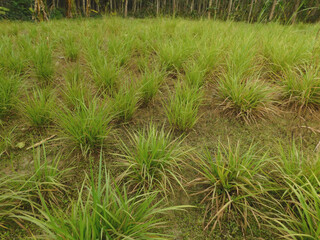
(195, 74)
(39, 108)
(150, 84)
(230, 184)
(9, 86)
(247, 99)
(105, 73)
(20, 194)
(152, 161)
(299, 215)
(302, 87)
(86, 127)
(42, 60)
(71, 48)
(182, 107)
(292, 162)
(125, 102)
(7, 140)
(48, 177)
(104, 211)
(76, 90)
(173, 55)
(14, 197)
(120, 49)
(11, 56)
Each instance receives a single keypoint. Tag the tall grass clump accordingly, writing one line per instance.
(172, 55)
(86, 127)
(48, 176)
(12, 59)
(299, 216)
(39, 107)
(14, 199)
(292, 162)
(42, 60)
(7, 140)
(301, 86)
(105, 72)
(152, 161)
(195, 74)
(286, 49)
(231, 183)
(76, 92)
(119, 49)
(247, 99)
(151, 81)
(20, 194)
(183, 106)
(9, 87)
(71, 48)
(240, 88)
(125, 102)
(103, 210)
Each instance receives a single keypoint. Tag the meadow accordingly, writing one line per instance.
(163, 128)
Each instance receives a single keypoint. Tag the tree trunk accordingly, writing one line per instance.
(272, 9)
(229, 8)
(126, 9)
(39, 11)
(296, 9)
(209, 12)
(69, 14)
(158, 7)
(250, 12)
(88, 8)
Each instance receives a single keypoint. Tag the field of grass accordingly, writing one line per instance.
(159, 129)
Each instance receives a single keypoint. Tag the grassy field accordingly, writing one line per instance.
(159, 129)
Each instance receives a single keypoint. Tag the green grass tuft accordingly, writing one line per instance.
(86, 127)
(42, 60)
(39, 108)
(230, 183)
(182, 107)
(152, 161)
(302, 87)
(9, 87)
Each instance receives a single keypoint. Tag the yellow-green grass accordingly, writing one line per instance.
(79, 79)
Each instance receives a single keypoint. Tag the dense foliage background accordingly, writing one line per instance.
(240, 10)
(285, 11)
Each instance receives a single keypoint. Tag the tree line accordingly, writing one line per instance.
(285, 11)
